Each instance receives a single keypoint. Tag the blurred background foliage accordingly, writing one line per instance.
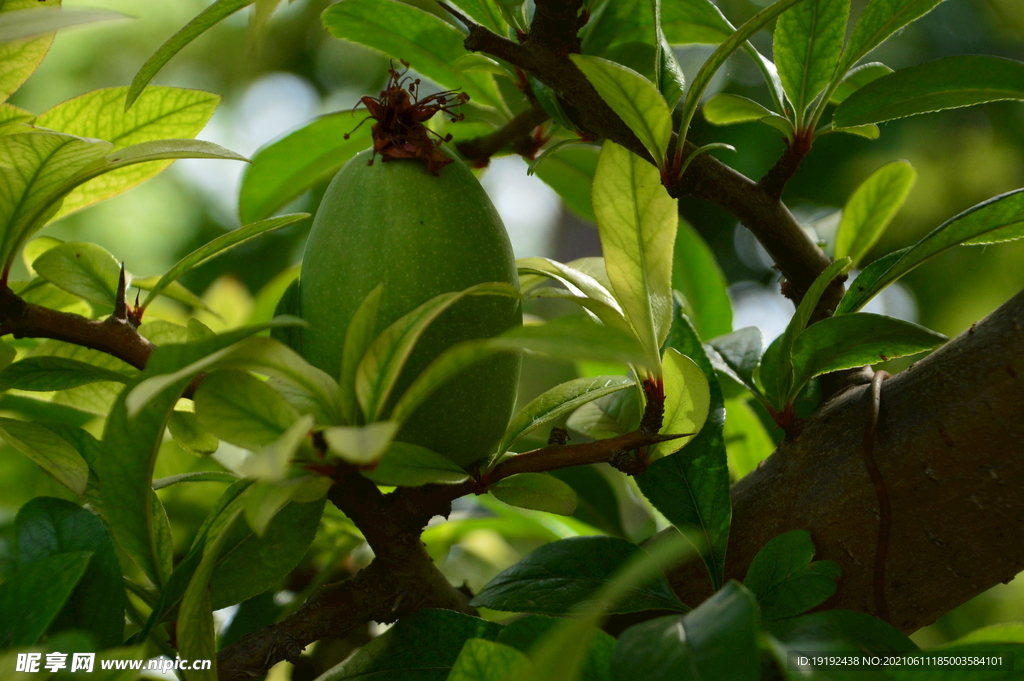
(297, 71)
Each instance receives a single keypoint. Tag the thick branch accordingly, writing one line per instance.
(948, 443)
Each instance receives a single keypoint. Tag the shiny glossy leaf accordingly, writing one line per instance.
(871, 208)
(807, 43)
(81, 268)
(858, 78)
(784, 579)
(879, 20)
(687, 401)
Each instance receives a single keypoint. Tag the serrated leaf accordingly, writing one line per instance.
(858, 78)
(999, 219)
(218, 246)
(281, 171)
(161, 113)
(558, 401)
(857, 339)
(241, 409)
(561, 576)
(429, 43)
(807, 43)
(879, 20)
(635, 99)
(210, 16)
(408, 465)
(84, 269)
(29, 23)
(687, 401)
(536, 491)
(51, 452)
(948, 83)
(637, 221)
(785, 581)
(360, 445)
(871, 208)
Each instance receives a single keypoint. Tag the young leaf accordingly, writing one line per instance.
(46, 373)
(560, 576)
(29, 23)
(486, 12)
(635, 99)
(361, 332)
(691, 488)
(853, 340)
(51, 452)
(281, 171)
(615, 414)
(574, 279)
(218, 246)
(717, 640)
(998, 219)
(198, 476)
(785, 581)
(190, 436)
(483, 660)
(409, 465)
(81, 268)
(740, 352)
(696, 274)
(807, 44)
(33, 596)
(210, 16)
(424, 645)
(574, 338)
(871, 208)
(271, 463)
(637, 220)
(687, 400)
(879, 20)
(263, 501)
(426, 41)
(361, 445)
(536, 491)
(54, 527)
(241, 409)
(161, 113)
(174, 291)
(727, 109)
(21, 57)
(558, 401)
(747, 441)
(858, 78)
(948, 83)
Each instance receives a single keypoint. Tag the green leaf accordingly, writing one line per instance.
(871, 208)
(740, 352)
(879, 20)
(687, 402)
(424, 645)
(174, 291)
(747, 441)
(785, 581)
(284, 169)
(360, 334)
(218, 246)
(558, 577)
(870, 132)
(717, 640)
(948, 83)
(777, 361)
(574, 338)
(43, 374)
(840, 631)
(635, 99)
(807, 44)
(570, 171)
(671, 80)
(383, 361)
(32, 597)
(49, 451)
(241, 409)
(361, 445)
(10, 114)
(161, 113)
(858, 78)
(615, 414)
(637, 220)
(428, 42)
(263, 501)
(21, 57)
(854, 340)
(696, 274)
(210, 16)
(691, 487)
(486, 12)
(83, 269)
(527, 632)
(598, 505)
(29, 23)
(558, 401)
(408, 465)
(483, 660)
(727, 109)
(537, 492)
(694, 21)
(576, 280)
(199, 476)
(49, 527)
(190, 436)
(999, 219)
(272, 462)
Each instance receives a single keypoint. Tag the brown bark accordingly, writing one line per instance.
(950, 445)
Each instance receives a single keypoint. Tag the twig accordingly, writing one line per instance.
(514, 134)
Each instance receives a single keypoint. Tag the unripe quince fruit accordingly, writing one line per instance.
(419, 235)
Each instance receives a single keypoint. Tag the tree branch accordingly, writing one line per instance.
(515, 135)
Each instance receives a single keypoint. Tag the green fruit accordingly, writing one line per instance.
(418, 235)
